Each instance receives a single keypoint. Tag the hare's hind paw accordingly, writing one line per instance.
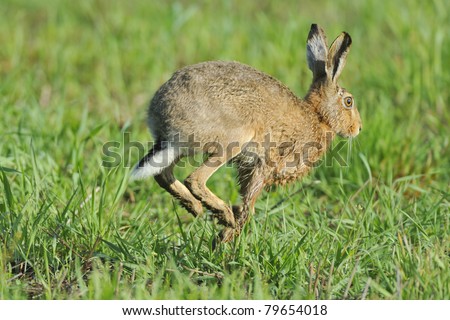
(225, 217)
(226, 235)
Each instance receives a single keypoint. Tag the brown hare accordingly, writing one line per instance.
(230, 111)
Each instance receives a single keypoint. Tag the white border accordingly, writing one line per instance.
(113, 309)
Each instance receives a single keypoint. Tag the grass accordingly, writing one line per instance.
(77, 74)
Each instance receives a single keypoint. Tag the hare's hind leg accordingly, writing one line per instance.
(167, 180)
(196, 183)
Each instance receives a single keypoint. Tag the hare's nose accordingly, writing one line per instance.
(360, 128)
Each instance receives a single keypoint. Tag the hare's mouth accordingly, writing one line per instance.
(352, 133)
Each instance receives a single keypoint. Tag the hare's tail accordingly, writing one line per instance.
(154, 162)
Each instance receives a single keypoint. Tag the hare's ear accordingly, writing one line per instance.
(317, 52)
(338, 55)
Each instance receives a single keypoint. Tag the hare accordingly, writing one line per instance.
(231, 112)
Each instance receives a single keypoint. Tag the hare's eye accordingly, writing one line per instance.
(348, 102)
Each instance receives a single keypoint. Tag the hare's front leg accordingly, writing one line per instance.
(196, 183)
(251, 180)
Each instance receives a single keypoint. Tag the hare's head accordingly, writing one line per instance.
(335, 105)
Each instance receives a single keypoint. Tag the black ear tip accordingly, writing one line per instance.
(347, 38)
(314, 30)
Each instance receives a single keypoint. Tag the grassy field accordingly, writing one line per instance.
(77, 74)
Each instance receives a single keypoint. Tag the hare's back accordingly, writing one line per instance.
(219, 95)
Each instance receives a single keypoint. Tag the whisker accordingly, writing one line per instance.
(349, 151)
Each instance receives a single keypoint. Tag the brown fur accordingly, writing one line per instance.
(218, 105)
